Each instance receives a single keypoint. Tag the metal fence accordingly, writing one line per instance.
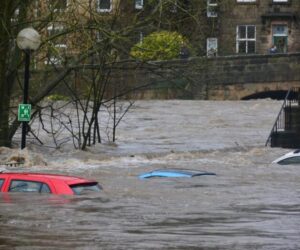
(283, 120)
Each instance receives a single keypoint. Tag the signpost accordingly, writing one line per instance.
(24, 112)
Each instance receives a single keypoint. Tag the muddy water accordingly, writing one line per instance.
(249, 204)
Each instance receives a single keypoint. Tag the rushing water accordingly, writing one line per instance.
(249, 204)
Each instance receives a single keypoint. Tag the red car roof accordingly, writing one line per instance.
(65, 178)
(57, 184)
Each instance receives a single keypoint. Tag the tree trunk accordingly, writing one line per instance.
(4, 89)
(4, 103)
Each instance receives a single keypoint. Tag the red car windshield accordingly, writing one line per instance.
(85, 187)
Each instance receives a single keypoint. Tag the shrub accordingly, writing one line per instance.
(57, 97)
(162, 45)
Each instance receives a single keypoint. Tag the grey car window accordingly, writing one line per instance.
(28, 186)
(85, 187)
(45, 189)
(291, 160)
(1, 183)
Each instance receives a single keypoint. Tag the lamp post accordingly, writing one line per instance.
(28, 40)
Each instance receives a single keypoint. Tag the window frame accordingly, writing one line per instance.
(15, 16)
(280, 35)
(280, 1)
(53, 29)
(246, 40)
(139, 6)
(210, 7)
(53, 59)
(141, 37)
(99, 9)
(246, 1)
(211, 40)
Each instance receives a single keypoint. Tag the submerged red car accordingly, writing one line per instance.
(46, 183)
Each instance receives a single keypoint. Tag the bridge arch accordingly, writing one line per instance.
(271, 94)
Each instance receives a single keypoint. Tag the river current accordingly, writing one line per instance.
(251, 203)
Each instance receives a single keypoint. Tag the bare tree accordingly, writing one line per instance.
(91, 70)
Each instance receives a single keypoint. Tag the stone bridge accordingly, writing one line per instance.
(224, 78)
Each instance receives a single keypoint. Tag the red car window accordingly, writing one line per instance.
(28, 186)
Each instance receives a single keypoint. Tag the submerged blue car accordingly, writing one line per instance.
(174, 173)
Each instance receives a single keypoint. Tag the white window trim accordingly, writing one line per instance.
(56, 60)
(139, 6)
(58, 27)
(98, 36)
(280, 1)
(209, 7)
(16, 15)
(244, 39)
(104, 10)
(61, 46)
(53, 60)
(208, 51)
(246, 1)
(141, 37)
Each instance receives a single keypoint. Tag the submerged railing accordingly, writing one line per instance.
(283, 120)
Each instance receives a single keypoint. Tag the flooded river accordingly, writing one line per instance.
(249, 204)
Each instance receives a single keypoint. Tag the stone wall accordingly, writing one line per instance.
(220, 78)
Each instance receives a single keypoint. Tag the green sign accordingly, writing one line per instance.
(24, 112)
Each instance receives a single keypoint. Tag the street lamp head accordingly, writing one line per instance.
(28, 39)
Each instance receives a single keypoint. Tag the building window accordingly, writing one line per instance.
(212, 6)
(54, 30)
(15, 15)
(99, 37)
(245, 39)
(245, 1)
(104, 5)
(212, 46)
(280, 37)
(138, 37)
(58, 51)
(280, 1)
(57, 55)
(139, 4)
(141, 37)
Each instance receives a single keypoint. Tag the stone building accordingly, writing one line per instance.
(253, 26)
(213, 27)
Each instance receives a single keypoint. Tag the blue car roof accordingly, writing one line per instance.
(174, 173)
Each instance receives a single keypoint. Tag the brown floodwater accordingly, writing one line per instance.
(249, 204)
